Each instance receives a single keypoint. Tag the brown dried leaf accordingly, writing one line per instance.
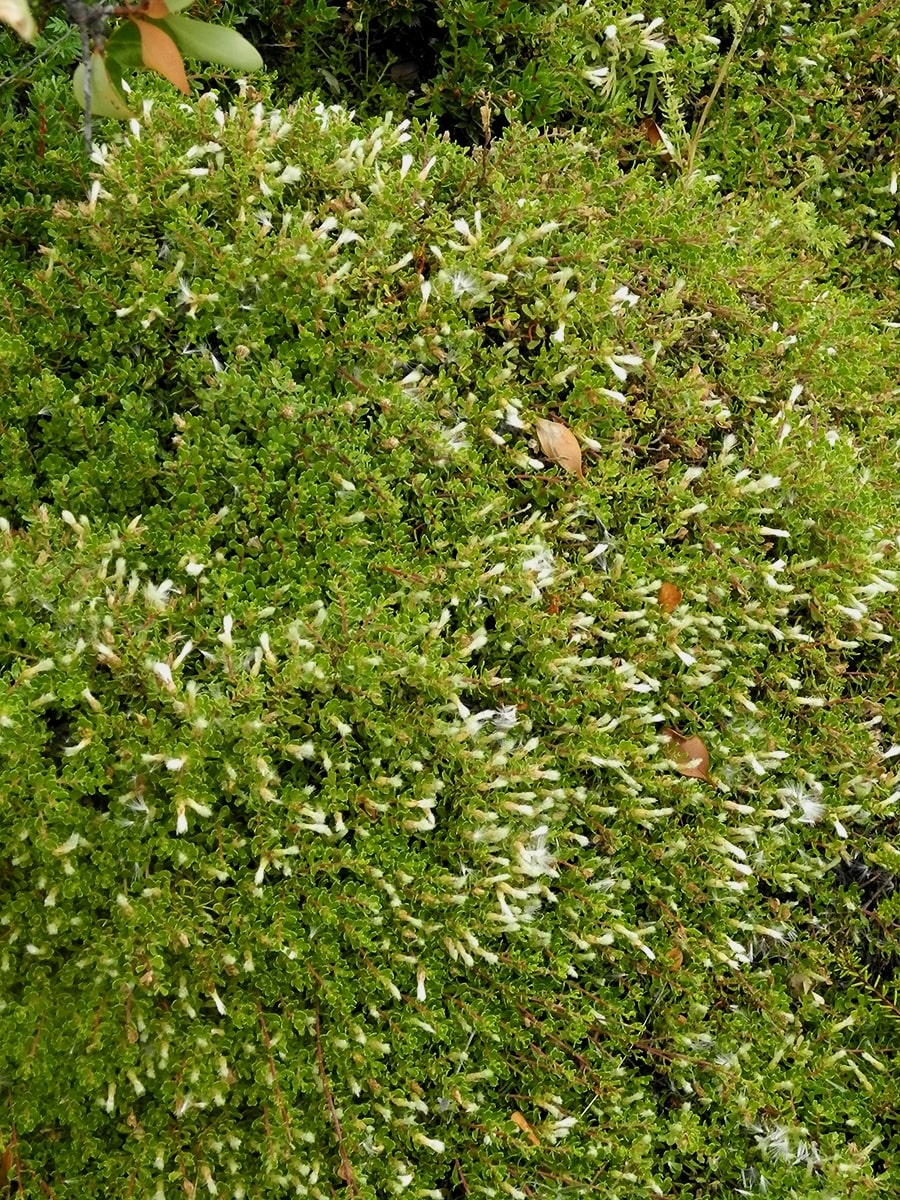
(690, 756)
(6, 1160)
(675, 957)
(669, 597)
(160, 53)
(560, 445)
(651, 131)
(518, 1119)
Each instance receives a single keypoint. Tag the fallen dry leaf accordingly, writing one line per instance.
(675, 957)
(690, 756)
(560, 445)
(669, 597)
(518, 1119)
(651, 131)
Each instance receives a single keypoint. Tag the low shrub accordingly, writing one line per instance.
(388, 807)
(807, 104)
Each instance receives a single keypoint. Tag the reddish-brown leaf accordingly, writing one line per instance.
(161, 54)
(669, 597)
(517, 1118)
(651, 131)
(560, 445)
(157, 10)
(690, 756)
(6, 1159)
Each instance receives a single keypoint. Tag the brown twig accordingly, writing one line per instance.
(277, 1090)
(346, 1169)
(462, 1178)
(400, 574)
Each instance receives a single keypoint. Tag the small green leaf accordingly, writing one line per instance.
(212, 43)
(106, 99)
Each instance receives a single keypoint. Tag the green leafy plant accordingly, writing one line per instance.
(395, 800)
(154, 36)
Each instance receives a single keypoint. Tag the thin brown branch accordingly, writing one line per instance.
(281, 1105)
(346, 1169)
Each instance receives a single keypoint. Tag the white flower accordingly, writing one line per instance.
(649, 42)
(806, 799)
(560, 1129)
(71, 843)
(775, 1144)
(164, 672)
(473, 724)
(200, 151)
(541, 565)
(453, 439)
(423, 174)
(597, 76)
(536, 859)
(620, 298)
(157, 595)
(505, 718)
(512, 418)
(77, 749)
(225, 636)
(432, 1143)
(462, 284)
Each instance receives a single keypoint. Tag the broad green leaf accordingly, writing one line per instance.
(212, 43)
(124, 47)
(177, 6)
(17, 14)
(106, 99)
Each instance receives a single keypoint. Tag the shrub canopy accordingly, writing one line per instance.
(353, 842)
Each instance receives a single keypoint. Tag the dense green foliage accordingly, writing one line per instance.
(344, 851)
(808, 102)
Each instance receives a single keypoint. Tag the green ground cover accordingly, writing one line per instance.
(448, 668)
